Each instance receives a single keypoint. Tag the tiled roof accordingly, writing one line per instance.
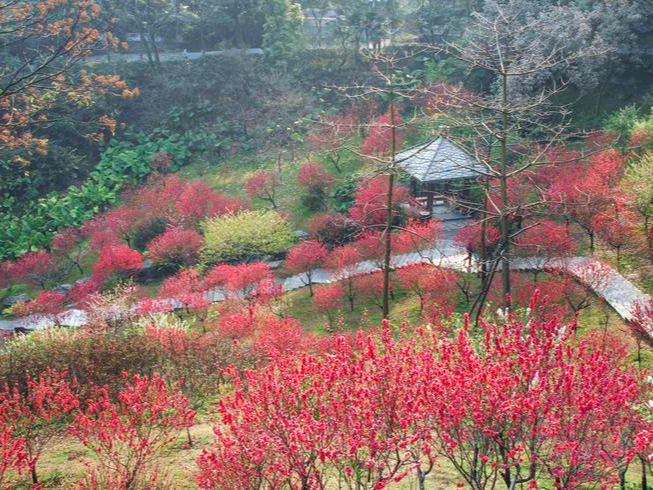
(439, 160)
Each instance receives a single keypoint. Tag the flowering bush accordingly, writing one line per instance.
(117, 259)
(175, 248)
(384, 406)
(305, 259)
(263, 185)
(332, 229)
(47, 303)
(316, 182)
(188, 288)
(127, 436)
(38, 413)
(38, 269)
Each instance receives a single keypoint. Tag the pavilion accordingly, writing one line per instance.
(439, 167)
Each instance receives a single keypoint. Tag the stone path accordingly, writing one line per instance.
(615, 289)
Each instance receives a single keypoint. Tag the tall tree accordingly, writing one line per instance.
(519, 48)
(390, 84)
(283, 29)
(152, 18)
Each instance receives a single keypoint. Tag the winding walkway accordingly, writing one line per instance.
(615, 289)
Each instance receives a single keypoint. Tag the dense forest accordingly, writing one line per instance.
(357, 244)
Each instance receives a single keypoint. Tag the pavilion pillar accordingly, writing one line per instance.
(430, 192)
(413, 187)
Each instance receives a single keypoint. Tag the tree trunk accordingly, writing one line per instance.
(421, 477)
(387, 256)
(155, 49)
(145, 44)
(505, 230)
(644, 474)
(388, 251)
(188, 436)
(622, 479)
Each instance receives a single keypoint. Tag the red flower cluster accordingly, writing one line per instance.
(528, 400)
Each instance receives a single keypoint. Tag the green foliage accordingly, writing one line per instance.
(622, 123)
(344, 195)
(123, 163)
(283, 29)
(245, 235)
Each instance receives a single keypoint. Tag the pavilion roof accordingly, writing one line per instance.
(439, 160)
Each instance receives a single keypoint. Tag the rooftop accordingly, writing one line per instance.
(439, 160)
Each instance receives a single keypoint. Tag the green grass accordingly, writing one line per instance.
(230, 177)
(404, 307)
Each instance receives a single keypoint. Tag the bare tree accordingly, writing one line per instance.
(392, 85)
(511, 127)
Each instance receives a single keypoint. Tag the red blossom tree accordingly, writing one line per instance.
(263, 185)
(117, 259)
(175, 248)
(545, 239)
(370, 207)
(343, 262)
(114, 226)
(128, 435)
(556, 295)
(582, 198)
(512, 404)
(379, 139)
(304, 259)
(370, 286)
(370, 246)
(472, 238)
(544, 404)
(313, 421)
(281, 337)
(13, 456)
(545, 242)
(38, 269)
(616, 228)
(246, 287)
(38, 412)
(188, 288)
(433, 286)
(328, 299)
(197, 201)
(316, 182)
(417, 236)
(333, 229)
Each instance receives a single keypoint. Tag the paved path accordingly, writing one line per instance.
(617, 291)
(165, 56)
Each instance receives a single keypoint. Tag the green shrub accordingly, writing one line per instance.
(622, 123)
(245, 235)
